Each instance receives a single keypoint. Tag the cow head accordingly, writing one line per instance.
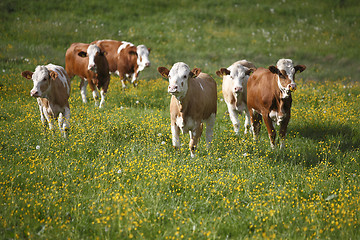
(93, 52)
(285, 72)
(178, 78)
(143, 57)
(41, 78)
(237, 75)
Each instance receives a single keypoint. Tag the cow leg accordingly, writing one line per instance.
(247, 122)
(103, 93)
(102, 101)
(194, 139)
(210, 122)
(175, 132)
(83, 85)
(270, 129)
(133, 79)
(255, 119)
(282, 132)
(42, 115)
(233, 114)
(94, 92)
(64, 123)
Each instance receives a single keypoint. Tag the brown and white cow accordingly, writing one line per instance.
(193, 101)
(52, 91)
(125, 59)
(88, 61)
(269, 96)
(234, 90)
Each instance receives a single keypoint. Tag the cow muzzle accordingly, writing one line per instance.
(173, 89)
(238, 89)
(292, 87)
(35, 93)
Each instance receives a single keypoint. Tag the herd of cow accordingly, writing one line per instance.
(259, 93)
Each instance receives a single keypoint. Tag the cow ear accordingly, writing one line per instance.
(222, 72)
(273, 69)
(133, 53)
(250, 70)
(103, 53)
(195, 72)
(300, 68)
(149, 49)
(53, 75)
(164, 72)
(82, 54)
(27, 74)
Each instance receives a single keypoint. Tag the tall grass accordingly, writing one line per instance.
(117, 175)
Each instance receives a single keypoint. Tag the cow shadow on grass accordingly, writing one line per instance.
(347, 138)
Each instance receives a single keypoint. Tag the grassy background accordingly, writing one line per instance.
(117, 176)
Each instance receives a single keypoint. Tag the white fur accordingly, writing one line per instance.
(143, 57)
(178, 80)
(124, 45)
(91, 52)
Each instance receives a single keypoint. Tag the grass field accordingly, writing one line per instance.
(117, 175)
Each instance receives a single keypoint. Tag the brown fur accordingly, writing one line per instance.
(264, 96)
(76, 65)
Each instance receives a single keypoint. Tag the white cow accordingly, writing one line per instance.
(234, 84)
(52, 90)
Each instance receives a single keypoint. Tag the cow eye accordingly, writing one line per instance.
(184, 76)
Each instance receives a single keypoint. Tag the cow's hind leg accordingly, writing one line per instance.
(210, 122)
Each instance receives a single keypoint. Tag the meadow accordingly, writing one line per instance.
(117, 175)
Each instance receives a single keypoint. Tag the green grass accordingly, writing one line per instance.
(117, 175)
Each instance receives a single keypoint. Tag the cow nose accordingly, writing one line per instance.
(238, 89)
(34, 93)
(147, 64)
(172, 89)
(292, 86)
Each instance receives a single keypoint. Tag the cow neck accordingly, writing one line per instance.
(283, 92)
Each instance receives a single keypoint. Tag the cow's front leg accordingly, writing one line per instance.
(270, 129)
(42, 115)
(102, 93)
(282, 132)
(64, 120)
(94, 92)
(134, 79)
(247, 122)
(83, 84)
(233, 114)
(255, 119)
(194, 139)
(175, 132)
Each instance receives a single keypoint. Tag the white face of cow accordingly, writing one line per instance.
(143, 57)
(92, 51)
(286, 66)
(238, 77)
(41, 79)
(178, 79)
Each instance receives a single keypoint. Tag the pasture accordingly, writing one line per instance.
(117, 175)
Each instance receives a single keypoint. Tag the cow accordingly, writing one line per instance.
(269, 97)
(235, 79)
(88, 61)
(193, 102)
(125, 59)
(52, 90)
